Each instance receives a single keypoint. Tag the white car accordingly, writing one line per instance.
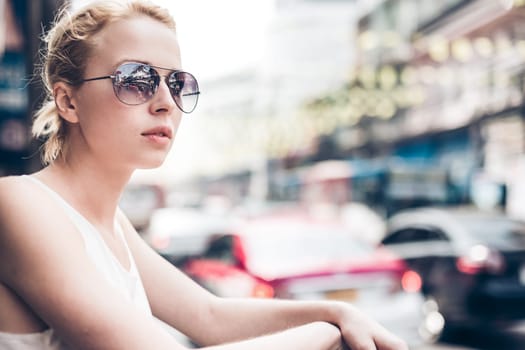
(179, 233)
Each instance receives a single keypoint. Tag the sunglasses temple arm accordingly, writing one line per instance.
(100, 78)
(192, 93)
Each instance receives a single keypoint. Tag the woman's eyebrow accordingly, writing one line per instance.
(129, 60)
(132, 60)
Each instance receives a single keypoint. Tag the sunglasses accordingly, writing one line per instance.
(136, 83)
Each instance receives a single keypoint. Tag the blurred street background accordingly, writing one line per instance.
(394, 130)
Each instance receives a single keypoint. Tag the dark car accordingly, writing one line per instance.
(296, 258)
(472, 265)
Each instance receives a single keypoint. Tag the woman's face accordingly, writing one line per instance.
(135, 136)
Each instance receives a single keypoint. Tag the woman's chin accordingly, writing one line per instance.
(151, 163)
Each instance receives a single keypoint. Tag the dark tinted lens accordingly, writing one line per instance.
(184, 89)
(135, 83)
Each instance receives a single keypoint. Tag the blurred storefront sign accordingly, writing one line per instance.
(13, 95)
(13, 135)
(21, 25)
(11, 37)
(14, 129)
(2, 26)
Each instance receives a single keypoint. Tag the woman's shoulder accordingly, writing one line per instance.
(11, 179)
(23, 200)
(29, 214)
(18, 189)
(14, 187)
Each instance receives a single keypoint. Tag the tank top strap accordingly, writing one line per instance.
(120, 233)
(72, 212)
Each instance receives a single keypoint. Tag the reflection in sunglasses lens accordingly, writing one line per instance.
(185, 90)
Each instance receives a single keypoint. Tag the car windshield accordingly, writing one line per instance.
(282, 249)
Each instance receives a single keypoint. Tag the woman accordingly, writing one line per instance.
(74, 274)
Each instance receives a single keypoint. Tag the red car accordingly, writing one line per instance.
(297, 258)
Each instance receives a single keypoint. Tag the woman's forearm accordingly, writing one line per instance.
(311, 336)
(247, 318)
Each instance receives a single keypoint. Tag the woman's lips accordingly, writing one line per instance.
(160, 131)
(160, 135)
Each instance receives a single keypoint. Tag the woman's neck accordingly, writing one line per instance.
(93, 191)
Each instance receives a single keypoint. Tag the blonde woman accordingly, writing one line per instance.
(74, 274)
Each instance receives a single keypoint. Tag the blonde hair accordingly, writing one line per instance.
(69, 44)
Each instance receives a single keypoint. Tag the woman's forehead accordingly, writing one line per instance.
(137, 39)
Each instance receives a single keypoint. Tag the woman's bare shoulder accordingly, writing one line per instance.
(27, 212)
(14, 191)
(15, 184)
(19, 195)
(10, 180)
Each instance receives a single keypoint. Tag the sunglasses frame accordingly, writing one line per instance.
(155, 87)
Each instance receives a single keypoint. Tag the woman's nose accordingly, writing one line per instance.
(163, 101)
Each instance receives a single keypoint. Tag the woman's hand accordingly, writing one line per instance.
(362, 333)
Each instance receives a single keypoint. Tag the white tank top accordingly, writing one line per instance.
(128, 283)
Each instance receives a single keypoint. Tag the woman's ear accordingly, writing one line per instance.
(64, 101)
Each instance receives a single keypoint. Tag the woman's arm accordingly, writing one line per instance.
(44, 260)
(316, 335)
(260, 315)
(208, 319)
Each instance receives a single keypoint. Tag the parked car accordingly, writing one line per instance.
(138, 202)
(181, 233)
(296, 258)
(472, 265)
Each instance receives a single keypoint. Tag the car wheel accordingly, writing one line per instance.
(432, 326)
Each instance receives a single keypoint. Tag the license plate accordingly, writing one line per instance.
(342, 295)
